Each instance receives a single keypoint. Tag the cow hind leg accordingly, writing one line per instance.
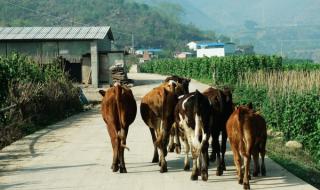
(223, 149)
(186, 159)
(163, 162)
(172, 145)
(195, 173)
(256, 169)
(216, 149)
(237, 162)
(115, 148)
(177, 140)
(213, 155)
(263, 167)
(246, 184)
(121, 154)
(155, 158)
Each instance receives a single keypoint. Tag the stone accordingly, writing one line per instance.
(294, 145)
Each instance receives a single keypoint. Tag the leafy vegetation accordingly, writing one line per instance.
(222, 70)
(41, 95)
(150, 26)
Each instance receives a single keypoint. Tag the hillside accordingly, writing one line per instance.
(287, 27)
(149, 26)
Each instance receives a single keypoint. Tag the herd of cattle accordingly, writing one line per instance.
(174, 115)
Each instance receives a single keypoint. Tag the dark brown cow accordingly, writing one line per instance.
(119, 110)
(247, 135)
(192, 116)
(222, 108)
(157, 111)
(181, 80)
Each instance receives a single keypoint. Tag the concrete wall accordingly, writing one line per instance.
(104, 68)
(104, 45)
(219, 52)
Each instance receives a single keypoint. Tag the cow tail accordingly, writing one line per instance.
(241, 130)
(121, 133)
(163, 118)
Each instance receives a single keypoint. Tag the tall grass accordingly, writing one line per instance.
(283, 81)
(289, 100)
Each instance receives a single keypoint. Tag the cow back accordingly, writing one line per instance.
(118, 107)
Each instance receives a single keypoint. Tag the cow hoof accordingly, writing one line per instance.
(171, 148)
(219, 172)
(178, 149)
(155, 160)
(194, 177)
(224, 167)
(115, 168)
(204, 176)
(212, 158)
(240, 181)
(186, 167)
(123, 170)
(246, 186)
(163, 169)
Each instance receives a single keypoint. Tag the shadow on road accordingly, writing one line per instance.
(140, 82)
(19, 153)
(9, 186)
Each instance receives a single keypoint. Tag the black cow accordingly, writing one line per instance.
(221, 108)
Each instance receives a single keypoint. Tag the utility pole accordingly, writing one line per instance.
(132, 42)
(281, 48)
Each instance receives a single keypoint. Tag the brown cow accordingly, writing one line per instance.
(247, 135)
(181, 80)
(157, 111)
(119, 110)
(221, 108)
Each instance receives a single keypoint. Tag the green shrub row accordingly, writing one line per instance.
(222, 70)
(43, 94)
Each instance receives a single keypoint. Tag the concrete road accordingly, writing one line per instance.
(76, 154)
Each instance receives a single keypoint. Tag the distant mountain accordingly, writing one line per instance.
(151, 28)
(287, 27)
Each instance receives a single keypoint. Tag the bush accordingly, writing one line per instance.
(222, 70)
(43, 94)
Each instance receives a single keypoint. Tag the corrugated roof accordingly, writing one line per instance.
(55, 33)
(210, 44)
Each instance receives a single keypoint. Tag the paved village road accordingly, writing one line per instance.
(76, 154)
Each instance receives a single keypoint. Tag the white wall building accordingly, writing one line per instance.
(192, 45)
(210, 49)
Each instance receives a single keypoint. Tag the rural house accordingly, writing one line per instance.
(85, 50)
(210, 49)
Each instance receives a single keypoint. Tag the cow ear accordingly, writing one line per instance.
(250, 106)
(102, 92)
